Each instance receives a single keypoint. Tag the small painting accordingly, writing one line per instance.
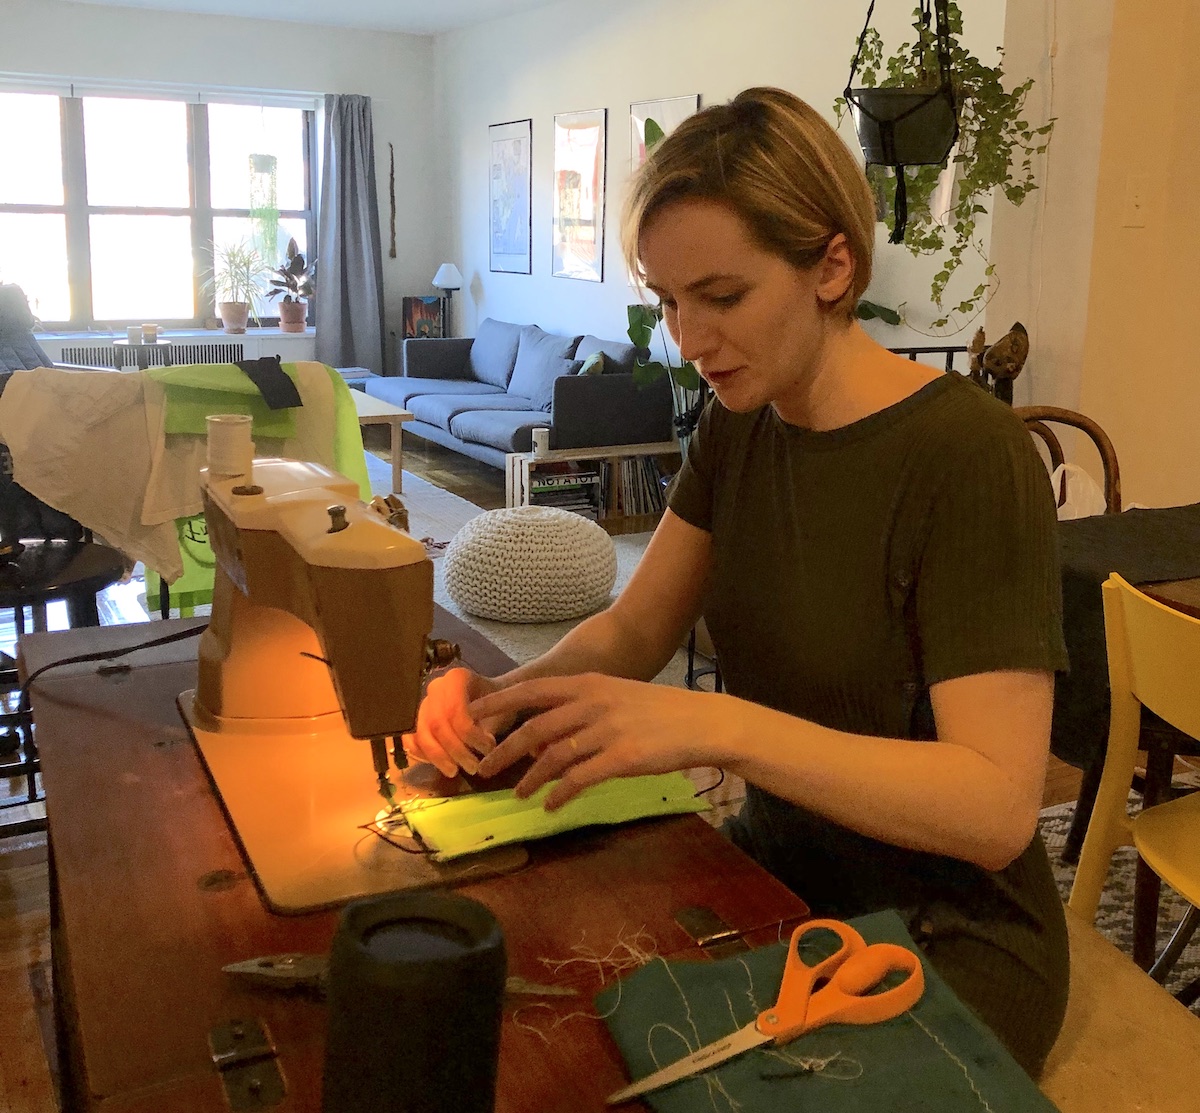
(424, 318)
(579, 195)
(662, 117)
(510, 166)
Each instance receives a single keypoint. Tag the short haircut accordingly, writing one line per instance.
(778, 165)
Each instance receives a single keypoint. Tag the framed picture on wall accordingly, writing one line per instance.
(579, 195)
(661, 116)
(424, 317)
(510, 168)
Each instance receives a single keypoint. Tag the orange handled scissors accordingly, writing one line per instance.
(836, 990)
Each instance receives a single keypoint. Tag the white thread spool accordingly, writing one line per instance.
(230, 449)
(134, 334)
(541, 441)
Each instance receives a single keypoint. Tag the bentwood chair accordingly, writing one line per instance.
(1154, 662)
(1038, 420)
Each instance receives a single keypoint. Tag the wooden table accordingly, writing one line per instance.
(375, 411)
(150, 898)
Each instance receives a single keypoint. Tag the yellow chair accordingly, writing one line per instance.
(1153, 660)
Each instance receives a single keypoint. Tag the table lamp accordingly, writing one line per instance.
(448, 279)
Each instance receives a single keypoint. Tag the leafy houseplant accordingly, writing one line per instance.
(295, 280)
(996, 147)
(690, 392)
(236, 280)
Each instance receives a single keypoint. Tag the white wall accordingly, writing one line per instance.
(81, 41)
(578, 56)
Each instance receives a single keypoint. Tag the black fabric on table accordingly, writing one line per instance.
(273, 382)
(1143, 546)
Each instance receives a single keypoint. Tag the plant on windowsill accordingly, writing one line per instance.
(995, 149)
(236, 280)
(296, 281)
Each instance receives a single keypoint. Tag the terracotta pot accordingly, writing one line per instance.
(292, 315)
(234, 315)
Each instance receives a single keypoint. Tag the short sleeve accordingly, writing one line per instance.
(989, 591)
(692, 489)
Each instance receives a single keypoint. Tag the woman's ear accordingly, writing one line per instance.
(835, 271)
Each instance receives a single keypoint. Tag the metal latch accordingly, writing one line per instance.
(244, 1055)
(710, 932)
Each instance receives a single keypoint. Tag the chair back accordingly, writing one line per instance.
(1036, 418)
(18, 349)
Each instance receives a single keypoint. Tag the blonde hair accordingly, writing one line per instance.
(779, 166)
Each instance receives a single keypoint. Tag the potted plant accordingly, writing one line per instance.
(295, 280)
(235, 281)
(995, 147)
(690, 392)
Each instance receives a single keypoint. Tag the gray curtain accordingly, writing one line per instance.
(349, 300)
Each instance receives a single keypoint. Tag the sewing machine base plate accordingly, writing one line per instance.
(298, 805)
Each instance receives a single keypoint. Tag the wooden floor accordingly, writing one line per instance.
(26, 1085)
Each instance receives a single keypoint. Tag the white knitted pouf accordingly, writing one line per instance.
(530, 564)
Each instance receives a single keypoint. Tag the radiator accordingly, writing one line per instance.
(106, 355)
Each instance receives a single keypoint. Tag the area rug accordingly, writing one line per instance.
(1114, 919)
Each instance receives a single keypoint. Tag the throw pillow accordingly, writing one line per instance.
(544, 399)
(540, 357)
(593, 365)
(493, 352)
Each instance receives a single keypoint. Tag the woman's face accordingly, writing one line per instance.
(750, 321)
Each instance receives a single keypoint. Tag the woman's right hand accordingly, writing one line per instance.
(446, 735)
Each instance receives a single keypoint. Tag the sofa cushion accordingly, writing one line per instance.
(541, 358)
(618, 357)
(438, 409)
(494, 352)
(505, 430)
(400, 391)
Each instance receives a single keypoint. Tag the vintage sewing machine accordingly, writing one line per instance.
(319, 638)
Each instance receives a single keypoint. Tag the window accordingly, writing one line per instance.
(113, 215)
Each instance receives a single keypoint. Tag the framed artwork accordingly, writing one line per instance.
(510, 168)
(579, 195)
(664, 116)
(424, 318)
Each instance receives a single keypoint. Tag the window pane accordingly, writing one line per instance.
(33, 254)
(136, 152)
(256, 157)
(142, 268)
(31, 139)
(270, 237)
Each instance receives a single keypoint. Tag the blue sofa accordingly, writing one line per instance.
(484, 396)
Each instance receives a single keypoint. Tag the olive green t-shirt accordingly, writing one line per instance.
(852, 569)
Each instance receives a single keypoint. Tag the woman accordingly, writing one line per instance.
(872, 545)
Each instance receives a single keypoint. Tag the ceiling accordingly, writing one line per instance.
(418, 17)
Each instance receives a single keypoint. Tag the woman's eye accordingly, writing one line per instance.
(727, 301)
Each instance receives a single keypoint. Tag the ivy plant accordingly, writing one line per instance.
(996, 148)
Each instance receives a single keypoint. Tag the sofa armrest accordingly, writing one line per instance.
(594, 410)
(436, 358)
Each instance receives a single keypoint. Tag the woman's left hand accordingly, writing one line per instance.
(586, 729)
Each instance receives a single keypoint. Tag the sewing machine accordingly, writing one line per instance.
(319, 637)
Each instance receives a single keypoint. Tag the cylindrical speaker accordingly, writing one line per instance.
(416, 985)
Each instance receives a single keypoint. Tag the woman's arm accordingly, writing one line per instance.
(973, 795)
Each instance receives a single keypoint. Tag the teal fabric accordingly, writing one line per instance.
(458, 825)
(936, 1058)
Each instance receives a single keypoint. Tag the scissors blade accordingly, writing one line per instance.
(711, 1055)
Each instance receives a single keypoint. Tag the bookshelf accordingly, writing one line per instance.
(614, 485)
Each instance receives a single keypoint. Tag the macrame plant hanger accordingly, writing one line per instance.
(908, 126)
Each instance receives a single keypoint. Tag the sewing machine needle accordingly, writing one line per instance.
(379, 757)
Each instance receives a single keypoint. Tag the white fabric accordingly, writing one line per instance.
(92, 444)
(530, 564)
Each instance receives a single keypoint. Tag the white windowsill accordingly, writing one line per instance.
(173, 334)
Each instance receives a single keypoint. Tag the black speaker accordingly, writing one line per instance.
(416, 986)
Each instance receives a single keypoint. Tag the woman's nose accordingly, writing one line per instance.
(695, 338)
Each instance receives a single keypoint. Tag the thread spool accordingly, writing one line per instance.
(416, 986)
(230, 449)
(133, 334)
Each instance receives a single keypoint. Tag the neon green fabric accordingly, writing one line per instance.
(192, 394)
(457, 825)
(938, 1057)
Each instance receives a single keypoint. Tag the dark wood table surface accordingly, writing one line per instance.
(151, 897)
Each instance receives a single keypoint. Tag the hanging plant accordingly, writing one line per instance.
(995, 149)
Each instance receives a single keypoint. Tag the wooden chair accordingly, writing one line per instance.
(1154, 662)
(1036, 418)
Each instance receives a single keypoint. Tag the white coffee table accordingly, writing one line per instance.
(374, 411)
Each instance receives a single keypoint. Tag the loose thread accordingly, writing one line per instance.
(954, 1059)
(815, 1064)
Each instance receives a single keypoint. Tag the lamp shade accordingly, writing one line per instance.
(448, 277)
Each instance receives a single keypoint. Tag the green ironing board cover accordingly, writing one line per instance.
(456, 825)
(936, 1058)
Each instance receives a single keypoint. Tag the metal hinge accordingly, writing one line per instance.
(244, 1055)
(710, 932)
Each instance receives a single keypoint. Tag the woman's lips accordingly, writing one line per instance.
(716, 378)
